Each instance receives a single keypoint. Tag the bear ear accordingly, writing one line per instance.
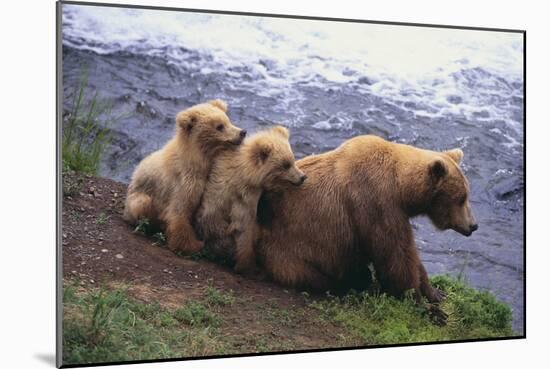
(455, 154)
(438, 170)
(260, 153)
(220, 104)
(186, 120)
(283, 131)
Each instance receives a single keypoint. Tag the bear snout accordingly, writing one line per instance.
(468, 231)
(240, 137)
(300, 180)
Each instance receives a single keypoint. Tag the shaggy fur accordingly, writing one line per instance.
(227, 215)
(354, 209)
(167, 185)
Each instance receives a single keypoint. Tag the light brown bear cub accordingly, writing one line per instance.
(227, 215)
(167, 185)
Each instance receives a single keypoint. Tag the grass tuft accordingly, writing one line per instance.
(195, 313)
(85, 129)
(107, 326)
(215, 297)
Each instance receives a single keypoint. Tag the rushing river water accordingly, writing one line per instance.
(327, 81)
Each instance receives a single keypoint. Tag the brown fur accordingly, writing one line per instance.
(227, 215)
(167, 185)
(355, 209)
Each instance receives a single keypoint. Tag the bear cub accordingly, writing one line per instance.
(167, 185)
(227, 215)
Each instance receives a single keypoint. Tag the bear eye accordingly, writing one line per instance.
(462, 200)
(220, 127)
(286, 165)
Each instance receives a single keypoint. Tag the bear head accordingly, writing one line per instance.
(449, 207)
(209, 126)
(273, 163)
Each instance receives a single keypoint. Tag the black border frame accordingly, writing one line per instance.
(59, 254)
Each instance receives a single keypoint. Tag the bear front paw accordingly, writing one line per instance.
(435, 295)
(438, 316)
(189, 247)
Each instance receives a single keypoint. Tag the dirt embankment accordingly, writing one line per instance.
(99, 248)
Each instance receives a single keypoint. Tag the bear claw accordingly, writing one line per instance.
(436, 295)
(437, 315)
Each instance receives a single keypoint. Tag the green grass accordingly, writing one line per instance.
(195, 313)
(102, 218)
(145, 227)
(215, 297)
(107, 325)
(85, 133)
(72, 182)
(381, 319)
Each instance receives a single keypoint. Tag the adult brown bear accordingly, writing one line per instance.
(355, 208)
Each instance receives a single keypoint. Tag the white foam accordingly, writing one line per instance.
(423, 65)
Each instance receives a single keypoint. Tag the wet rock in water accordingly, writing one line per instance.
(144, 108)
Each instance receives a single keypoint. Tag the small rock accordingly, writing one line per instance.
(73, 272)
(64, 235)
(100, 243)
(104, 250)
(92, 281)
(119, 256)
(165, 270)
